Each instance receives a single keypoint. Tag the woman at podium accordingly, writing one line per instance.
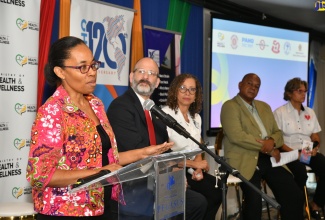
(71, 137)
(184, 102)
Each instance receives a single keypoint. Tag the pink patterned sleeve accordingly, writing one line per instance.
(46, 146)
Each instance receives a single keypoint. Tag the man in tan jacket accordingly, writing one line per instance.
(251, 137)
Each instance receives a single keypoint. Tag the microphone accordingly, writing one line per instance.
(315, 144)
(166, 118)
(90, 178)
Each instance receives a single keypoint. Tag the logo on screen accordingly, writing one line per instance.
(221, 36)
(287, 47)
(276, 47)
(262, 44)
(320, 6)
(234, 41)
(220, 42)
(247, 42)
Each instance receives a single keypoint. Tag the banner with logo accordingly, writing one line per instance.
(106, 29)
(19, 35)
(163, 46)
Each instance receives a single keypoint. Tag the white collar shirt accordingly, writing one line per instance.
(252, 109)
(193, 127)
(296, 127)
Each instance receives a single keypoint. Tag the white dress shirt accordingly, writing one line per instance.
(193, 127)
(296, 128)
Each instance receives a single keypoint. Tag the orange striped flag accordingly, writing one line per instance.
(64, 26)
(137, 43)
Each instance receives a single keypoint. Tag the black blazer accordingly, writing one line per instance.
(128, 121)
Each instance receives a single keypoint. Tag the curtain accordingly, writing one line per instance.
(64, 28)
(46, 23)
(137, 37)
(312, 79)
(178, 14)
(316, 51)
(192, 49)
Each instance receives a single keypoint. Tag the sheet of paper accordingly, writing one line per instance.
(286, 157)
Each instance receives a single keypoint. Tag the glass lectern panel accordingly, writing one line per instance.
(152, 188)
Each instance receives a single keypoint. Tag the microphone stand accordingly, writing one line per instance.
(226, 169)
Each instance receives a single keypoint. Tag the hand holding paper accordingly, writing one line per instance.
(286, 157)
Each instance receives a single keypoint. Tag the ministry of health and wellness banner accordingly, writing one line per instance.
(19, 34)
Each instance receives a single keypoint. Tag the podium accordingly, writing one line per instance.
(152, 188)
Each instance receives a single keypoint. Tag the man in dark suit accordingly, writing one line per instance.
(127, 117)
(251, 137)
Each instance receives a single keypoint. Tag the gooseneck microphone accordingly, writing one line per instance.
(166, 118)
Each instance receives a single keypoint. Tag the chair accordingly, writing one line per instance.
(218, 142)
(234, 181)
(264, 184)
(314, 180)
(17, 210)
(231, 180)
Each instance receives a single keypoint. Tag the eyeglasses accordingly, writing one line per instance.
(183, 89)
(143, 71)
(300, 91)
(85, 68)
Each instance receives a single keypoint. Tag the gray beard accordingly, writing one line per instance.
(145, 91)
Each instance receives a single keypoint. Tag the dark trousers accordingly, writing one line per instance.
(298, 170)
(317, 164)
(195, 206)
(283, 186)
(207, 188)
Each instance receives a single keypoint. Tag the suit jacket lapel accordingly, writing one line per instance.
(137, 105)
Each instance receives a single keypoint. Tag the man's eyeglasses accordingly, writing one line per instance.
(143, 71)
(85, 68)
(183, 89)
(301, 91)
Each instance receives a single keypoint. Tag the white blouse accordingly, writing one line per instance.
(296, 128)
(193, 127)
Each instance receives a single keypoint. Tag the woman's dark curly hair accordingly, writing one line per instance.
(196, 106)
(292, 85)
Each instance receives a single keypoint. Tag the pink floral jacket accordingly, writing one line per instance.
(63, 137)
